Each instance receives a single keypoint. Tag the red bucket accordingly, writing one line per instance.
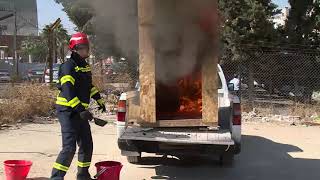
(17, 169)
(108, 170)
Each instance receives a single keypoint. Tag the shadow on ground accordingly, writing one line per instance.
(260, 159)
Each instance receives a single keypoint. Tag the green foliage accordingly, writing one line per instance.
(302, 27)
(35, 47)
(79, 12)
(247, 22)
(60, 34)
(61, 39)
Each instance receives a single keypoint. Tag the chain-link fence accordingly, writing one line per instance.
(116, 73)
(113, 76)
(277, 81)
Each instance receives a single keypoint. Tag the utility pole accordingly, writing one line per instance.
(50, 45)
(50, 57)
(15, 59)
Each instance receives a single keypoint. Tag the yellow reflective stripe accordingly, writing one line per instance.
(83, 69)
(85, 105)
(74, 102)
(94, 91)
(100, 102)
(60, 167)
(84, 164)
(67, 78)
(63, 101)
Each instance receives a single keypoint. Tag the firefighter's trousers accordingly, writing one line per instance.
(74, 131)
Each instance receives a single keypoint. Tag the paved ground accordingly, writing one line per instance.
(270, 152)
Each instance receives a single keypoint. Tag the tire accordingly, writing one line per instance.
(237, 148)
(134, 159)
(226, 159)
(188, 159)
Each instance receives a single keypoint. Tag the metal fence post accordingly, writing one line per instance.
(270, 87)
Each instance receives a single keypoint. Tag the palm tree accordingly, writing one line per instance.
(60, 39)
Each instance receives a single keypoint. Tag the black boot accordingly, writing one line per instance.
(83, 174)
(79, 177)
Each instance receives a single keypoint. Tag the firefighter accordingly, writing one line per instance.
(76, 90)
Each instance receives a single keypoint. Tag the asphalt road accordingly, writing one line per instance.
(269, 152)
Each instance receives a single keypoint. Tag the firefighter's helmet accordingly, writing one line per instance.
(77, 40)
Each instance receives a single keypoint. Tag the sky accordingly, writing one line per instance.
(281, 3)
(49, 11)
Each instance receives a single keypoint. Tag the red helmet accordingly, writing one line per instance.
(78, 39)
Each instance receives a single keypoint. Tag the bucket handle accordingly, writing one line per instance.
(101, 172)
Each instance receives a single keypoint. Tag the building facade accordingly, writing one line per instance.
(27, 17)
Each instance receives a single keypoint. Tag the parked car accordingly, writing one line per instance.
(55, 74)
(36, 73)
(4, 76)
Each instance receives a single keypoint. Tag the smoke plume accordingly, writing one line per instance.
(182, 32)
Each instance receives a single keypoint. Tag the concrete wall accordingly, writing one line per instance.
(27, 17)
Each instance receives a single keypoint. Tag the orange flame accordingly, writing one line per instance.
(190, 90)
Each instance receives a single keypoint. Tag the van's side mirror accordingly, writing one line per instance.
(231, 87)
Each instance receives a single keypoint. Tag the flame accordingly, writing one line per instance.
(190, 90)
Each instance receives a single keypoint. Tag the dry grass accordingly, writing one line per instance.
(98, 82)
(301, 110)
(26, 101)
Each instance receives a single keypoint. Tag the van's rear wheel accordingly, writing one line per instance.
(226, 159)
(134, 159)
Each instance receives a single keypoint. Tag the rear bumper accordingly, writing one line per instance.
(176, 149)
(177, 142)
(178, 136)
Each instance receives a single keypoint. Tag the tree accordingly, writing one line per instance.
(302, 26)
(79, 12)
(61, 38)
(301, 33)
(248, 24)
(35, 47)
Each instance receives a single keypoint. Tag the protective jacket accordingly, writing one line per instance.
(75, 85)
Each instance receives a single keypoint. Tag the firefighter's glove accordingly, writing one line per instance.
(86, 115)
(102, 108)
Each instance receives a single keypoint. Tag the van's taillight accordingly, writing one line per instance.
(121, 115)
(236, 114)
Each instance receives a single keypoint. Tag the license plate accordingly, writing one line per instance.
(39, 73)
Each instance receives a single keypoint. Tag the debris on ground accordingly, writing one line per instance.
(256, 117)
